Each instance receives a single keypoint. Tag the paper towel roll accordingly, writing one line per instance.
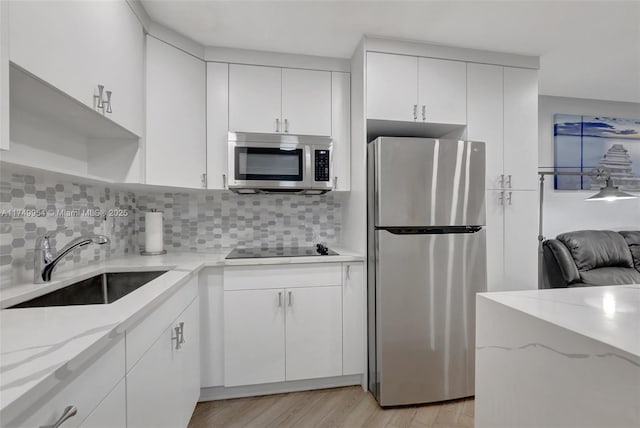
(153, 241)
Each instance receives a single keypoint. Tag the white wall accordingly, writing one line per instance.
(566, 210)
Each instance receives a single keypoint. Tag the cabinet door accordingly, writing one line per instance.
(521, 127)
(217, 124)
(495, 240)
(521, 240)
(176, 124)
(255, 95)
(121, 66)
(153, 386)
(111, 412)
(353, 318)
(392, 87)
(313, 332)
(306, 102)
(254, 337)
(188, 357)
(484, 120)
(4, 75)
(90, 43)
(442, 91)
(341, 129)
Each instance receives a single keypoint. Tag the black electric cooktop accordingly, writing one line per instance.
(253, 253)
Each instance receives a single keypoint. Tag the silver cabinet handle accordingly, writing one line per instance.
(290, 299)
(97, 99)
(415, 112)
(179, 335)
(424, 113)
(509, 181)
(277, 125)
(348, 272)
(69, 412)
(335, 183)
(501, 198)
(224, 181)
(286, 125)
(509, 197)
(279, 299)
(203, 180)
(108, 102)
(501, 181)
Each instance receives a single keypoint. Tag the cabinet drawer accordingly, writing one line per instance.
(85, 392)
(282, 276)
(143, 335)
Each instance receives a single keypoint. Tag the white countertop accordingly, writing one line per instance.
(39, 347)
(610, 314)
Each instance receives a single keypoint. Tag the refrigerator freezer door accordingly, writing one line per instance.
(425, 287)
(426, 182)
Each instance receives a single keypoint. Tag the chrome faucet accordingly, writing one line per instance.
(46, 257)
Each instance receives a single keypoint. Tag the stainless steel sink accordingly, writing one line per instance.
(100, 289)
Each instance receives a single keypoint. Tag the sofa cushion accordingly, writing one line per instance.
(633, 241)
(610, 276)
(593, 249)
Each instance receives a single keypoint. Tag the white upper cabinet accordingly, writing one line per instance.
(4, 75)
(341, 129)
(521, 128)
(484, 121)
(279, 100)
(392, 87)
(442, 91)
(76, 46)
(217, 124)
(306, 102)
(176, 123)
(255, 95)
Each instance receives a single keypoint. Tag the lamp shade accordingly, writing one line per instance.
(610, 193)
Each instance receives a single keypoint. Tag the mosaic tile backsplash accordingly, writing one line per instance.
(33, 202)
(203, 221)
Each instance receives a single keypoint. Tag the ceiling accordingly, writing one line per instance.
(588, 49)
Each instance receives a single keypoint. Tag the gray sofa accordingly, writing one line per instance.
(591, 257)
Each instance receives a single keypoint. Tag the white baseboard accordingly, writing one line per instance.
(222, 393)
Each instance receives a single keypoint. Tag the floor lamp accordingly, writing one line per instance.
(608, 192)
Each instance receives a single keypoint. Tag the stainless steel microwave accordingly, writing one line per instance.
(272, 163)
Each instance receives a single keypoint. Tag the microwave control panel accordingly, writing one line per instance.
(322, 165)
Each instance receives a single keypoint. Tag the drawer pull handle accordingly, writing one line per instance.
(279, 299)
(69, 412)
(290, 299)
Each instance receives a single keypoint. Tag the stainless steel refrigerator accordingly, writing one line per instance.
(426, 261)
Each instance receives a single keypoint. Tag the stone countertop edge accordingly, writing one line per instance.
(13, 320)
(606, 314)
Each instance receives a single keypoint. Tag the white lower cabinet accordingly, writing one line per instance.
(254, 337)
(87, 392)
(111, 412)
(152, 399)
(512, 224)
(353, 319)
(163, 386)
(313, 332)
(299, 322)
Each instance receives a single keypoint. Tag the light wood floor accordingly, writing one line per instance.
(339, 407)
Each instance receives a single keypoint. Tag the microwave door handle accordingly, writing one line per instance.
(308, 166)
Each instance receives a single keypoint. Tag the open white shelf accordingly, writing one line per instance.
(51, 130)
